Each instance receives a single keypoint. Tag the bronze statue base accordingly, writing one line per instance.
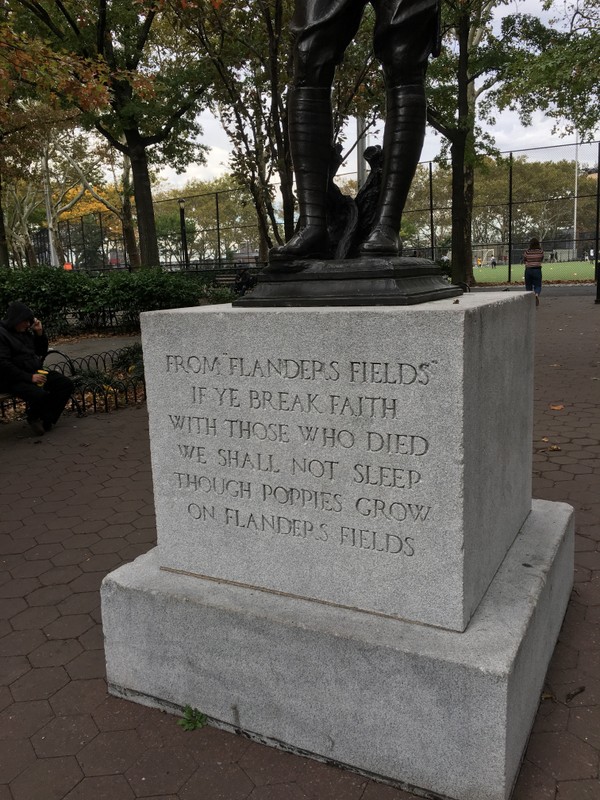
(365, 281)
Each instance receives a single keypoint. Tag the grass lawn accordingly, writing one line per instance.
(562, 271)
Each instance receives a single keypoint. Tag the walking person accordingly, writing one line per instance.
(532, 258)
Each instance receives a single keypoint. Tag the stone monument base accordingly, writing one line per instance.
(437, 711)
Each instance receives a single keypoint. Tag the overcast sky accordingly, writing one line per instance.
(507, 131)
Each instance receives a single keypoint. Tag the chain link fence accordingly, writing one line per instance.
(550, 193)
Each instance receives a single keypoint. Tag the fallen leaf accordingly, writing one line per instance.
(545, 439)
(556, 365)
(557, 407)
(553, 448)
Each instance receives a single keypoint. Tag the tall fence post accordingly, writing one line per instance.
(597, 242)
(510, 214)
(431, 220)
(125, 249)
(218, 228)
(104, 259)
(184, 242)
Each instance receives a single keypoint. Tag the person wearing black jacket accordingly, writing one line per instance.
(23, 347)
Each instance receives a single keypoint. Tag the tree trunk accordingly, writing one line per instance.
(131, 246)
(30, 255)
(4, 254)
(142, 190)
(459, 244)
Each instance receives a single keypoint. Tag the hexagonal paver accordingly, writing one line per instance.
(69, 627)
(12, 667)
(18, 587)
(35, 617)
(578, 790)
(111, 753)
(71, 557)
(377, 791)
(20, 643)
(93, 639)
(47, 779)
(48, 595)
(88, 664)
(265, 765)
(87, 582)
(115, 714)
(20, 720)
(60, 575)
(108, 546)
(585, 724)
(324, 780)
(8, 544)
(80, 603)
(160, 772)
(64, 736)
(5, 792)
(9, 608)
(219, 782)
(6, 697)
(79, 697)
(30, 569)
(39, 684)
(16, 755)
(43, 551)
(534, 784)
(104, 787)
(563, 756)
(55, 653)
(292, 792)
(101, 563)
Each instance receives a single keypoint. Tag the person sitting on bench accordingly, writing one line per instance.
(23, 347)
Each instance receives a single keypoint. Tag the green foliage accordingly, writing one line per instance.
(131, 361)
(54, 294)
(192, 719)
(556, 69)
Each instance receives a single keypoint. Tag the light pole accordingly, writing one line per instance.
(576, 193)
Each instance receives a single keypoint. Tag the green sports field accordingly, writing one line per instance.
(561, 271)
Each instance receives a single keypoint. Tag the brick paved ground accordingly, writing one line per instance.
(78, 502)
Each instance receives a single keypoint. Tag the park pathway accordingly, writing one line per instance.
(76, 503)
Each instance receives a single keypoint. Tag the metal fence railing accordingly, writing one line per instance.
(551, 193)
(103, 382)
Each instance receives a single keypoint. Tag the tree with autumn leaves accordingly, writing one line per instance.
(139, 73)
(144, 94)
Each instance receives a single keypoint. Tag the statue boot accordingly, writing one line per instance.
(311, 135)
(402, 144)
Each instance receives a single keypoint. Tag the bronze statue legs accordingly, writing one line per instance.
(311, 135)
(402, 143)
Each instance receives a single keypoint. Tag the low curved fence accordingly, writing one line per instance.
(103, 382)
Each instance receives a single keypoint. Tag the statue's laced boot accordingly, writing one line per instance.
(310, 241)
(382, 241)
(402, 143)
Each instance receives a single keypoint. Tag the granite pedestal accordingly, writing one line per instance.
(348, 563)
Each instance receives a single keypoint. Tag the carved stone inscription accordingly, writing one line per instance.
(310, 449)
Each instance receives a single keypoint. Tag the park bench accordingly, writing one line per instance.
(7, 397)
(89, 374)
